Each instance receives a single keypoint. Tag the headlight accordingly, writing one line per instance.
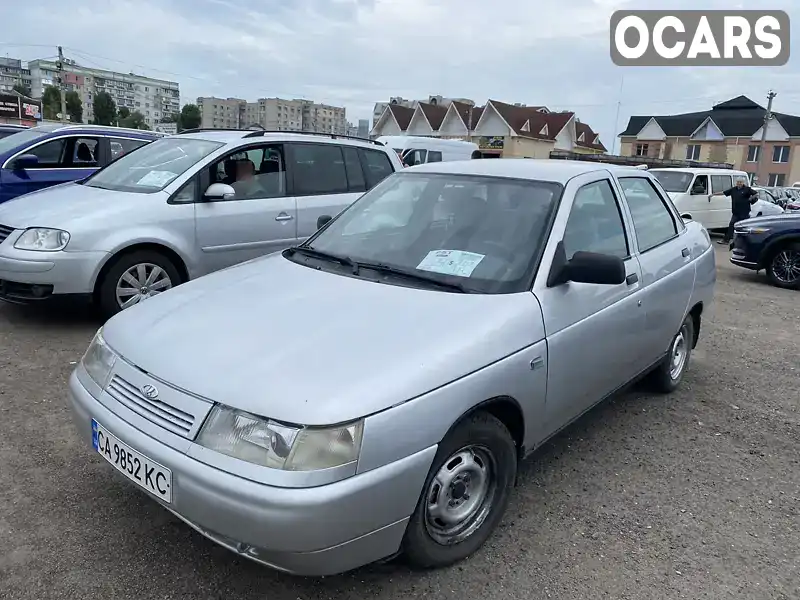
(99, 360)
(270, 444)
(43, 239)
(752, 230)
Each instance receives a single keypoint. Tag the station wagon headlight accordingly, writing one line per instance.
(98, 360)
(264, 442)
(42, 239)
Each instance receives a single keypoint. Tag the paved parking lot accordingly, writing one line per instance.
(691, 496)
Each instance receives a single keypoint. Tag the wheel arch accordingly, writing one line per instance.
(696, 313)
(772, 246)
(161, 248)
(505, 409)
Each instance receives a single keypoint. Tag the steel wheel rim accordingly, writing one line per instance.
(140, 282)
(786, 266)
(461, 495)
(678, 353)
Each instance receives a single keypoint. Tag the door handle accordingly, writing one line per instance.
(631, 279)
(284, 217)
(685, 253)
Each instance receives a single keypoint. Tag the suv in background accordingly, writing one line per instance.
(179, 208)
(39, 157)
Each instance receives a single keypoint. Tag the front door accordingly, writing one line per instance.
(60, 160)
(697, 203)
(260, 219)
(665, 257)
(592, 330)
(719, 209)
(327, 178)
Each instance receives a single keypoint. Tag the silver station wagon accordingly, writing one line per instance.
(370, 392)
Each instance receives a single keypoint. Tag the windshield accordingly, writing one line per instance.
(20, 138)
(152, 167)
(673, 181)
(484, 233)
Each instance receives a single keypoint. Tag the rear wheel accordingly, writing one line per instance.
(465, 493)
(135, 277)
(783, 267)
(667, 376)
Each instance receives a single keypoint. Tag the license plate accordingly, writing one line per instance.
(143, 471)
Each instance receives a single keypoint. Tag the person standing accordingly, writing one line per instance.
(742, 197)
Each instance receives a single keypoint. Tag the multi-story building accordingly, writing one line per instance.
(154, 98)
(12, 72)
(222, 113)
(731, 132)
(380, 107)
(500, 129)
(363, 128)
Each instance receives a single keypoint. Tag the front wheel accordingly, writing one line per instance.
(134, 278)
(783, 268)
(465, 494)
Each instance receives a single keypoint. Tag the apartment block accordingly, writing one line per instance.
(13, 72)
(154, 98)
(731, 132)
(222, 113)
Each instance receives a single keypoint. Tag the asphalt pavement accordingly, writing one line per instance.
(695, 495)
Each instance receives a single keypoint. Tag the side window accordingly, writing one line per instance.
(434, 156)
(355, 176)
(414, 157)
(653, 222)
(122, 146)
(318, 169)
(720, 183)
(84, 152)
(700, 185)
(377, 166)
(257, 172)
(595, 222)
(50, 154)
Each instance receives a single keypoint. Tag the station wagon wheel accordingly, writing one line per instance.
(465, 494)
(783, 268)
(135, 277)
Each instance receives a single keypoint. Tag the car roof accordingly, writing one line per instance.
(235, 136)
(542, 169)
(698, 170)
(105, 129)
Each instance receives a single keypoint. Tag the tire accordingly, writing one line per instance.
(152, 261)
(481, 440)
(665, 379)
(783, 267)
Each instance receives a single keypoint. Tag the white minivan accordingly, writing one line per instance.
(698, 194)
(417, 150)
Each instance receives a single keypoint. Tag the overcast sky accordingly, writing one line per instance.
(355, 52)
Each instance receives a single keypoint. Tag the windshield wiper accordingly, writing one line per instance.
(321, 254)
(456, 287)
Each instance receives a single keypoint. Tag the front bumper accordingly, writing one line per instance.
(316, 531)
(746, 251)
(27, 276)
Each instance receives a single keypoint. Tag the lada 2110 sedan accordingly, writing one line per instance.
(370, 391)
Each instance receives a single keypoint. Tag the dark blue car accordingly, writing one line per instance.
(43, 156)
(772, 244)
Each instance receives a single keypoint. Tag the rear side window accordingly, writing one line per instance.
(122, 146)
(352, 165)
(84, 152)
(434, 156)
(318, 169)
(653, 222)
(377, 166)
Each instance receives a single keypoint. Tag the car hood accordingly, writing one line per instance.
(310, 347)
(62, 205)
(769, 220)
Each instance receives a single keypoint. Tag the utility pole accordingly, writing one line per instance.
(60, 65)
(767, 118)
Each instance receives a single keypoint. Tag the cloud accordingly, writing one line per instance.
(356, 52)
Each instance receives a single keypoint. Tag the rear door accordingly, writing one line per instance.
(60, 160)
(260, 219)
(665, 257)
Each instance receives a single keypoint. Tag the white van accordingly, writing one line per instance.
(698, 194)
(418, 150)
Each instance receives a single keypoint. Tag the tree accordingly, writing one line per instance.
(134, 120)
(23, 89)
(74, 107)
(190, 117)
(123, 112)
(51, 103)
(173, 118)
(105, 110)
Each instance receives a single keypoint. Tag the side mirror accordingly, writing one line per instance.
(585, 267)
(26, 161)
(220, 191)
(323, 220)
(686, 218)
